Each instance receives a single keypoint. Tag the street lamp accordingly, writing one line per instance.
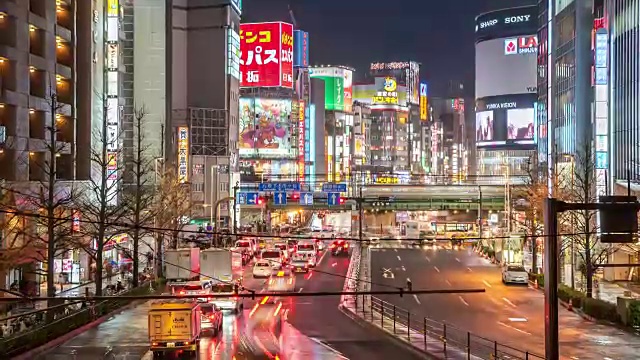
(214, 169)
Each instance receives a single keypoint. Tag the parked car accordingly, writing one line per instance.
(514, 274)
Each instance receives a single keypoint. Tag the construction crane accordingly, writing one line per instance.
(293, 18)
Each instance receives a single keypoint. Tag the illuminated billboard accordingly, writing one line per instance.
(506, 66)
(424, 106)
(384, 93)
(264, 127)
(506, 121)
(413, 83)
(183, 154)
(266, 55)
(301, 48)
(338, 87)
(301, 138)
(507, 22)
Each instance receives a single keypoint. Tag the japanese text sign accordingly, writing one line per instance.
(266, 55)
(183, 154)
(301, 52)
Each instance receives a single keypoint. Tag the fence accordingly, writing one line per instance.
(421, 332)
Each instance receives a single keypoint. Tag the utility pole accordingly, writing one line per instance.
(235, 204)
(480, 211)
(619, 221)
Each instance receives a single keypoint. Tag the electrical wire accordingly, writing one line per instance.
(287, 237)
(400, 292)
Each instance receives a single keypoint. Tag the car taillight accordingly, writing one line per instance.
(333, 245)
(212, 317)
(346, 246)
(182, 292)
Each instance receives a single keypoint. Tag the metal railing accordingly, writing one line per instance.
(405, 324)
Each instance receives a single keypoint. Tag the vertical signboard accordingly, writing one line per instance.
(423, 102)
(183, 154)
(111, 103)
(334, 86)
(233, 53)
(601, 50)
(348, 90)
(286, 51)
(266, 55)
(301, 48)
(413, 82)
(301, 139)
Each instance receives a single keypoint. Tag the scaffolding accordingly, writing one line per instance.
(209, 132)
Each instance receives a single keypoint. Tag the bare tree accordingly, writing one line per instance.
(140, 189)
(583, 234)
(172, 207)
(100, 201)
(46, 206)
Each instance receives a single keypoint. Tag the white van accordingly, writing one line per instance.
(309, 250)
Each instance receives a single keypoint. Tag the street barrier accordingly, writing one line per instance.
(421, 332)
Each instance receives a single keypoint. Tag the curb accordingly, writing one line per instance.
(70, 335)
(396, 340)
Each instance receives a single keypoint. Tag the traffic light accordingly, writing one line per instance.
(261, 200)
(295, 196)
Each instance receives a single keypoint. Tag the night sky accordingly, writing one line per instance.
(437, 33)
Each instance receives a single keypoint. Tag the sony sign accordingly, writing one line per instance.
(517, 19)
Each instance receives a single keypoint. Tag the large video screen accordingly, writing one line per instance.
(264, 127)
(506, 66)
(506, 121)
(484, 126)
(520, 124)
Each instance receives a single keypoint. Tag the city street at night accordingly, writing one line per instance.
(511, 314)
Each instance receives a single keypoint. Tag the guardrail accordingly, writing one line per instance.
(404, 323)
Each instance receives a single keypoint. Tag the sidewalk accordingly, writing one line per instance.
(610, 291)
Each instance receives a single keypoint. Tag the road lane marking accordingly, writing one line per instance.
(416, 297)
(463, 301)
(309, 276)
(427, 258)
(399, 258)
(403, 268)
(321, 257)
(469, 269)
(448, 282)
(513, 328)
(436, 268)
(300, 290)
(517, 319)
(396, 250)
(334, 264)
(458, 260)
(387, 273)
(486, 283)
(508, 302)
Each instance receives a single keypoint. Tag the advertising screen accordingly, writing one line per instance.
(423, 102)
(520, 124)
(484, 126)
(266, 58)
(506, 121)
(506, 66)
(264, 127)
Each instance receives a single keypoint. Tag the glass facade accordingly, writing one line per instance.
(624, 24)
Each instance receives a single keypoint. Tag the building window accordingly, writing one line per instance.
(198, 169)
(224, 187)
(197, 187)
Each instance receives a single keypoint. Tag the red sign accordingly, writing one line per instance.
(528, 42)
(266, 55)
(510, 47)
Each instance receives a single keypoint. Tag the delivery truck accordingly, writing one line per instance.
(224, 269)
(174, 326)
(182, 264)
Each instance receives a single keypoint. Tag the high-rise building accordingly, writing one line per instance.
(203, 91)
(447, 144)
(565, 86)
(505, 91)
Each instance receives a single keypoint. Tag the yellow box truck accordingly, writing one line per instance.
(174, 326)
